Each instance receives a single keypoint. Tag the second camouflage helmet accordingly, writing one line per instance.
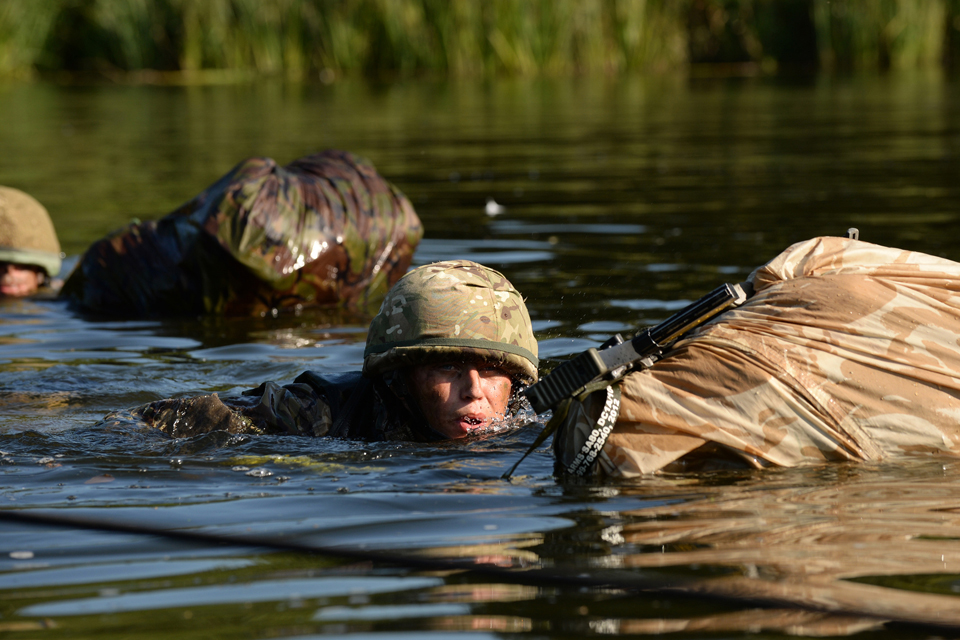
(27, 236)
(448, 310)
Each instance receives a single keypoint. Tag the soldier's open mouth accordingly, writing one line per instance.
(472, 421)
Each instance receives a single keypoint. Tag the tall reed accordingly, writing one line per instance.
(24, 27)
(468, 37)
(858, 34)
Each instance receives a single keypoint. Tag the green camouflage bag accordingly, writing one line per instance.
(325, 230)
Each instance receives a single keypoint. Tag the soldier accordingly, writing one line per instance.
(845, 351)
(325, 230)
(446, 357)
(29, 249)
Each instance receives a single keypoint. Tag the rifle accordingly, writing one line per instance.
(616, 357)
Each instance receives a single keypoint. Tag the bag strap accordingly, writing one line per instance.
(583, 462)
(598, 436)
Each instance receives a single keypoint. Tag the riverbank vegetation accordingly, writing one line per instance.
(326, 39)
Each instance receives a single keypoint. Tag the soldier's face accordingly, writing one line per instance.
(18, 280)
(460, 397)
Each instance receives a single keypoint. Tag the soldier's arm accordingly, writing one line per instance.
(293, 409)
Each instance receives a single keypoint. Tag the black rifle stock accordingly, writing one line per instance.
(611, 359)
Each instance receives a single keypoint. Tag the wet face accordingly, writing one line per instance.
(19, 280)
(460, 397)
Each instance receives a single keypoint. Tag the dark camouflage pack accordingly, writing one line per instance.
(325, 230)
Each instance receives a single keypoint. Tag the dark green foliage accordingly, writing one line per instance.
(951, 35)
(721, 31)
(787, 32)
(85, 36)
(327, 38)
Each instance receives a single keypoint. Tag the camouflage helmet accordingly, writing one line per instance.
(27, 235)
(452, 309)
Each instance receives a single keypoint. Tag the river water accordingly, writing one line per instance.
(623, 200)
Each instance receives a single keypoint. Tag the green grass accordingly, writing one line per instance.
(24, 28)
(901, 34)
(329, 38)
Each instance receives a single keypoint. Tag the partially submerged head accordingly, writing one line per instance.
(29, 249)
(460, 335)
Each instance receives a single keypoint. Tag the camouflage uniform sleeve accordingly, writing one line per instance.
(188, 417)
(293, 409)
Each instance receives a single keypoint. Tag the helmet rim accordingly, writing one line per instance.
(523, 365)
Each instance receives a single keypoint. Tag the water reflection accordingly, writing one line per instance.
(624, 199)
(494, 253)
(814, 537)
(896, 521)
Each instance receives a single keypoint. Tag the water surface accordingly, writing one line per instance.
(624, 200)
